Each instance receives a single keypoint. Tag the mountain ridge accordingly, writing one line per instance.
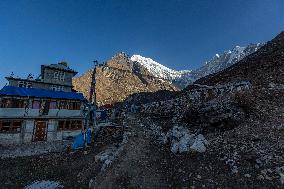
(123, 75)
(182, 78)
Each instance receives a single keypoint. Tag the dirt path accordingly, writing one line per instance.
(140, 165)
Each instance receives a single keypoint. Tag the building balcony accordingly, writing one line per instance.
(7, 113)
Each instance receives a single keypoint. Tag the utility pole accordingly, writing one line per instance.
(92, 98)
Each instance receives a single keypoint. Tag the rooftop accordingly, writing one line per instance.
(60, 66)
(40, 93)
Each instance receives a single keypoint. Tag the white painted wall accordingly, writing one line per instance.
(28, 131)
(9, 138)
(52, 130)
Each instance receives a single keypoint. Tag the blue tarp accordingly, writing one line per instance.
(79, 141)
(41, 93)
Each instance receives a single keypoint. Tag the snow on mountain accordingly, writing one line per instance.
(222, 61)
(159, 70)
(184, 77)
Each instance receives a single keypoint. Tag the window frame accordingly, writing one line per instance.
(13, 128)
(61, 76)
(29, 85)
(69, 125)
(22, 84)
(56, 75)
(53, 105)
(57, 88)
(39, 104)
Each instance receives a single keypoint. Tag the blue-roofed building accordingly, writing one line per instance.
(42, 109)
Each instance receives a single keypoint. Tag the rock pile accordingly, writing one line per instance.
(199, 99)
(217, 114)
(182, 140)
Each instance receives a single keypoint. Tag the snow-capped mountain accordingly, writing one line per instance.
(184, 77)
(226, 59)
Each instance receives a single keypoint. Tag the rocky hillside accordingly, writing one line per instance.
(118, 78)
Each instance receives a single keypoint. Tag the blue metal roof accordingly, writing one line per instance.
(40, 93)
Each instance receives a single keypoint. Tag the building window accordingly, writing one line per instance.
(69, 125)
(57, 88)
(21, 84)
(16, 126)
(63, 105)
(29, 85)
(7, 126)
(36, 104)
(56, 75)
(75, 106)
(61, 76)
(6, 103)
(17, 103)
(75, 125)
(24, 84)
(13, 103)
(52, 105)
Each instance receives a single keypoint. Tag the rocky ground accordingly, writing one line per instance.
(31, 149)
(248, 156)
(71, 170)
(56, 166)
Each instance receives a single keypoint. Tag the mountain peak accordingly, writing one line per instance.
(157, 69)
(121, 55)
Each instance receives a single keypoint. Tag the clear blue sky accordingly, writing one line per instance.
(180, 34)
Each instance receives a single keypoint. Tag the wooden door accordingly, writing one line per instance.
(40, 131)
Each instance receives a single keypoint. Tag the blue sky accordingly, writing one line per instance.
(180, 34)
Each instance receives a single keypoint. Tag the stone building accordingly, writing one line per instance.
(42, 109)
(56, 77)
